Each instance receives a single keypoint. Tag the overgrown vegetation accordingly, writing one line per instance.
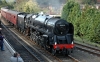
(86, 22)
(29, 6)
(3, 3)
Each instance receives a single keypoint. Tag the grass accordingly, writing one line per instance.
(84, 41)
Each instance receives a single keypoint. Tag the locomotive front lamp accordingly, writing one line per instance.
(55, 43)
(72, 42)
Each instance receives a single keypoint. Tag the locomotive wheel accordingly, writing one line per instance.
(38, 42)
(19, 30)
(53, 51)
(46, 47)
(24, 32)
(67, 53)
(31, 37)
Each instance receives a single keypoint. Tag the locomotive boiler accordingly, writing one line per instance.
(52, 33)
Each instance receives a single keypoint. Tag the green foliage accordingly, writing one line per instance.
(86, 22)
(19, 5)
(3, 3)
(71, 12)
(29, 6)
(90, 27)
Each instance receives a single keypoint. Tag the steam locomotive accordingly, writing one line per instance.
(52, 33)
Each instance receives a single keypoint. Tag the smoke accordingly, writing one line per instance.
(55, 3)
(55, 6)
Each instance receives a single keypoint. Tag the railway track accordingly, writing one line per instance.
(88, 48)
(28, 54)
(74, 59)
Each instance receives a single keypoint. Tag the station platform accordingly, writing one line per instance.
(5, 55)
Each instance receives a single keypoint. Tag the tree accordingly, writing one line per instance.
(3, 3)
(86, 22)
(93, 27)
(19, 4)
(71, 12)
(31, 7)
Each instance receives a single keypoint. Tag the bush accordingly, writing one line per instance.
(86, 22)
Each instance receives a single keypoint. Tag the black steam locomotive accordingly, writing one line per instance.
(52, 33)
